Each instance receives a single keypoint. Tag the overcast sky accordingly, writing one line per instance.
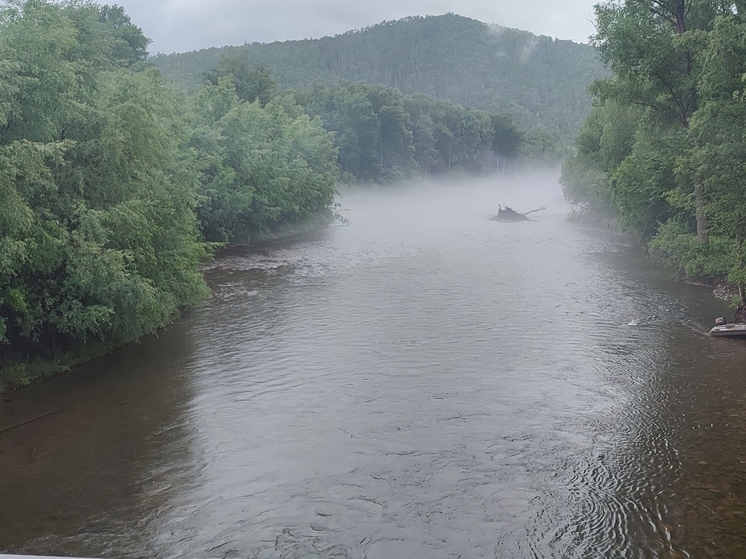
(184, 25)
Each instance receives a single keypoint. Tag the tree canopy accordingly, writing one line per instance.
(382, 135)
(99, 241)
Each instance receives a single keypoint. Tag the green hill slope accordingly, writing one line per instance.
(539, 80)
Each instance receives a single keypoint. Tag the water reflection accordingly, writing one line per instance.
(90, 478)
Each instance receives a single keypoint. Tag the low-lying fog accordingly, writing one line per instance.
(522, 191)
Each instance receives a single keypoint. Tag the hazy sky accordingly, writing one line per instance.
(183, 25)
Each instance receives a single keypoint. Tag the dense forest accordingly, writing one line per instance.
(382, 136)
(538, 81)
(664, 148)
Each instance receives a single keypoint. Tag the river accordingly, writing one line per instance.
(419, 383)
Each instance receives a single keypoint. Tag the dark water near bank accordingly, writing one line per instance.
(423, 383)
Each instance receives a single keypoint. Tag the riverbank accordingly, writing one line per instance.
(18, 374)
(677, 252)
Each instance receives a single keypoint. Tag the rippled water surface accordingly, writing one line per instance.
(420, 383)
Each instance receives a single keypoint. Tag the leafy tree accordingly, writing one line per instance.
(99, 237)
(104, 172)
(252, 83)
(128, 44)
(642, 181)
(423, 132)
(506, 140)
(650, 45)
(604, 142)
(395, 141)
(719, 140)
(259, 167)
(382, 135)
(678, 95)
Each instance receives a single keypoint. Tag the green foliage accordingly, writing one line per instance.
(252, 83)
(382, 135)
(540, 145)
(128, 44)
(258, 167)
(677, 248)
(643, 42)
(110, 182)
(718, 140)
(642, 181)
(98, 236)
(606, 139)
(684, 63)
(534, 80)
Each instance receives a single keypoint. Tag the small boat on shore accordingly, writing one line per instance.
(724, 330)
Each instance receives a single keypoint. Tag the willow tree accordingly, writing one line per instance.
(98, 237)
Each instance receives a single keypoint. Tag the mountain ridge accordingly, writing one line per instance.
(537, 79)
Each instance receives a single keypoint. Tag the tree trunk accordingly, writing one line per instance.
(740, 313)
(703, 235)
(380, 135)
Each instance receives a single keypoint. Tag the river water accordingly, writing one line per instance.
(419, 383)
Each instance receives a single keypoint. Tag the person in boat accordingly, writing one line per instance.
(739, 317)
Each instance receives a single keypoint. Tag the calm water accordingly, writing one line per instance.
(421, 383)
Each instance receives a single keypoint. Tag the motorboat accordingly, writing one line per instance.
(724, 330)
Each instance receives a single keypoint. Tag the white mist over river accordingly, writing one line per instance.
(419, 383)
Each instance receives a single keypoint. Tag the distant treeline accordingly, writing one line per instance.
(539, 81)
(381, 135)
(664, 149)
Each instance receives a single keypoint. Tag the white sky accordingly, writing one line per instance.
(184, 25)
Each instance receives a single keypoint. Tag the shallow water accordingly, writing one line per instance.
(422, 382)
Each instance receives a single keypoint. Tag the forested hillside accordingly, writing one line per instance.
(539, 81)
(663, 149)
